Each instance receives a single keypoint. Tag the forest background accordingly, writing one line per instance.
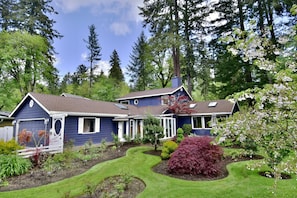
(187, 39)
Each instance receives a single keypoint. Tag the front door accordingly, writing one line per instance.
(57, 131)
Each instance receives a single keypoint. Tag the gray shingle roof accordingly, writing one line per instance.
(84, 106)
(76, 105)
(222, 106)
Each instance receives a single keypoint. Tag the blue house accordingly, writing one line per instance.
(69, 117)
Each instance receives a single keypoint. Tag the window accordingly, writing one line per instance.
(88, 125)
(207, 122)
(164, 100)
(197, 122)
(202, 122)
(136, 102)
(125, 102)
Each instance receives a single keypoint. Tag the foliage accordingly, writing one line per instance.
(94, 51)
(167, 186)
(168, 148)
(153, 130)
(111, 187)
(187, 128)
(139, 68)
(11, 165)
(270, 125)
(28, 65)
(9, 147)
(179, 104)
(115, 71)
(25, 137)
(116, 139)
(180, 135)
(196, 155)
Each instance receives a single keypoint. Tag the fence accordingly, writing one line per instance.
(6, 133)
(27, 152)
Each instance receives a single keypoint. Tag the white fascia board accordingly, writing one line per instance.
(88, 114)
(205, 114)
(35, 100)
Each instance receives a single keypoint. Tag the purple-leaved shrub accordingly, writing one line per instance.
(196, 156)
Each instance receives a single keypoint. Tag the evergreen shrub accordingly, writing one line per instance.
(180, 135)
(187, 129)
(168, 148)
(196, 156)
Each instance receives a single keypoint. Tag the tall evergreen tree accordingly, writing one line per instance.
(139, 69)
(162, 17)
(7, 12)
(33, 16)
(94, 50)
(115, 71)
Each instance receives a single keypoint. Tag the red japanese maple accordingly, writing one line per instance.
(179, 104)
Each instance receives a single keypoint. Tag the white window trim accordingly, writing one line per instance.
(202, 121)
(81, 125)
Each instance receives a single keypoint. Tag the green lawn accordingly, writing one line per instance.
(240, 182)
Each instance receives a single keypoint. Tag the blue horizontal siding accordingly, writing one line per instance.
(201, 131)
(155, 100)
(34, 112)
(183, 120)
(26, 112)
(107, 126)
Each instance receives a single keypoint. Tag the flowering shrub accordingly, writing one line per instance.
(270, 124)
(197, 156)
(9, 147)
(168, 148)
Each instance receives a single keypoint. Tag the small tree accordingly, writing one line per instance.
(153, 130)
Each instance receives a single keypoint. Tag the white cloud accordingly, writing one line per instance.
(84, 56)
(125, 11)
(120, 29)
(102, 66)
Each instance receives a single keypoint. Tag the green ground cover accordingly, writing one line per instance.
(239, 183)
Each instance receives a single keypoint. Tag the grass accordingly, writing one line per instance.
(239, 183)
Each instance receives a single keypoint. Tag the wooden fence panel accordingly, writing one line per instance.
(6, 133)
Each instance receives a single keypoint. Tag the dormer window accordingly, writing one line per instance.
(164, 100)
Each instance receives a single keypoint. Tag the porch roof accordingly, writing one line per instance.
(214, 106)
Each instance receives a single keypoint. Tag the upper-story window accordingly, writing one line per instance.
(164, 100)
(135, 101)
(124, 102)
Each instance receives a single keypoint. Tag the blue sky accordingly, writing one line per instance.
(117, 23)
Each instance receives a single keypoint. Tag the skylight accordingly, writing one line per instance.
(192, 106)
(121, 106)
(212, 104)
